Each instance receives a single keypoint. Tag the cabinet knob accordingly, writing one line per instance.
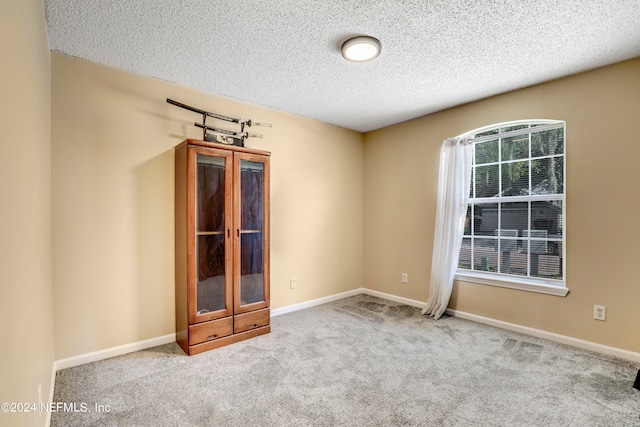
(210, 337)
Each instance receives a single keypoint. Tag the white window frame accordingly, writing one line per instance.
(530, 284)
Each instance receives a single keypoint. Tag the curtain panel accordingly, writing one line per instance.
(454, 182)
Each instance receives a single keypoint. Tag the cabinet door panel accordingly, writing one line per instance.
(210, 220)
(251, 207)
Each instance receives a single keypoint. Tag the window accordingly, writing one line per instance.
(514, 229)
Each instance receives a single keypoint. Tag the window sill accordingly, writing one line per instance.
(512, 283)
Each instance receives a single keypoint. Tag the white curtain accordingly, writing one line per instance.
(454, 181)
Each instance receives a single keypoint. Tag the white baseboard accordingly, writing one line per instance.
(111, 352)
(406, 301)
(336, 297)
(166, 339)
(47, 421)
(562, 339)
(315, 302)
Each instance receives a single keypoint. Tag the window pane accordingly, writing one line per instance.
(507, 245)
(515, 179)
(547, 143)
(485, 219)
(485, 255)
(488, 132)
(547, 265)
(547, 176)
(515, 147)
(467, 222)
(538, 242)
(512, 128)
(513, 262)
(487, 152)
(514, 216)
(486, 180)
(464, 260)
(547, 216)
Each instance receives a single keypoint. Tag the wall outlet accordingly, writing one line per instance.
(599, 312)
(293, 284)
(405, 278)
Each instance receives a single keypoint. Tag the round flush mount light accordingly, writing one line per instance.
(361, 48)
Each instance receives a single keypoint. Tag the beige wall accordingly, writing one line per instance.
(112, 145)
(26, 309)
(601, 109)
(112, 157)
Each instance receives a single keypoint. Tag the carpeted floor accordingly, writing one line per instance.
(361, 361)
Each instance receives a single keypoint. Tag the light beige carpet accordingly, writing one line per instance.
(361, 361)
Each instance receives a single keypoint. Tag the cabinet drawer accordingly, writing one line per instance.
(252, 320)
(207, 331)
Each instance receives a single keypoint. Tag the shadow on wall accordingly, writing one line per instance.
(153, 297)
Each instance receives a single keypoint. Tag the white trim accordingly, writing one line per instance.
(518, 132)
(520, 283)
(562, 339)
(512, 282)
(166, 339)
(343, 295)
(407, 301)
(557, 197)
(315, 302)
(47, 420)
(546, 125)
(111, 352)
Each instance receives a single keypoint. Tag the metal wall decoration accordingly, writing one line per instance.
(223, 136)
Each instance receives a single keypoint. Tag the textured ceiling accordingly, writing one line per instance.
(285, 54)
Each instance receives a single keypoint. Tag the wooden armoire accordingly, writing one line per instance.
(221, 244)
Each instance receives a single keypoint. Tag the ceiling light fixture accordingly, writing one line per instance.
(361, 48)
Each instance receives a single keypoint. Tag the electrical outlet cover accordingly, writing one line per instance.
(599, 312)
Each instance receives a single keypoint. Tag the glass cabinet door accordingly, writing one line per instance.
(252, 232)
(212, 214)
